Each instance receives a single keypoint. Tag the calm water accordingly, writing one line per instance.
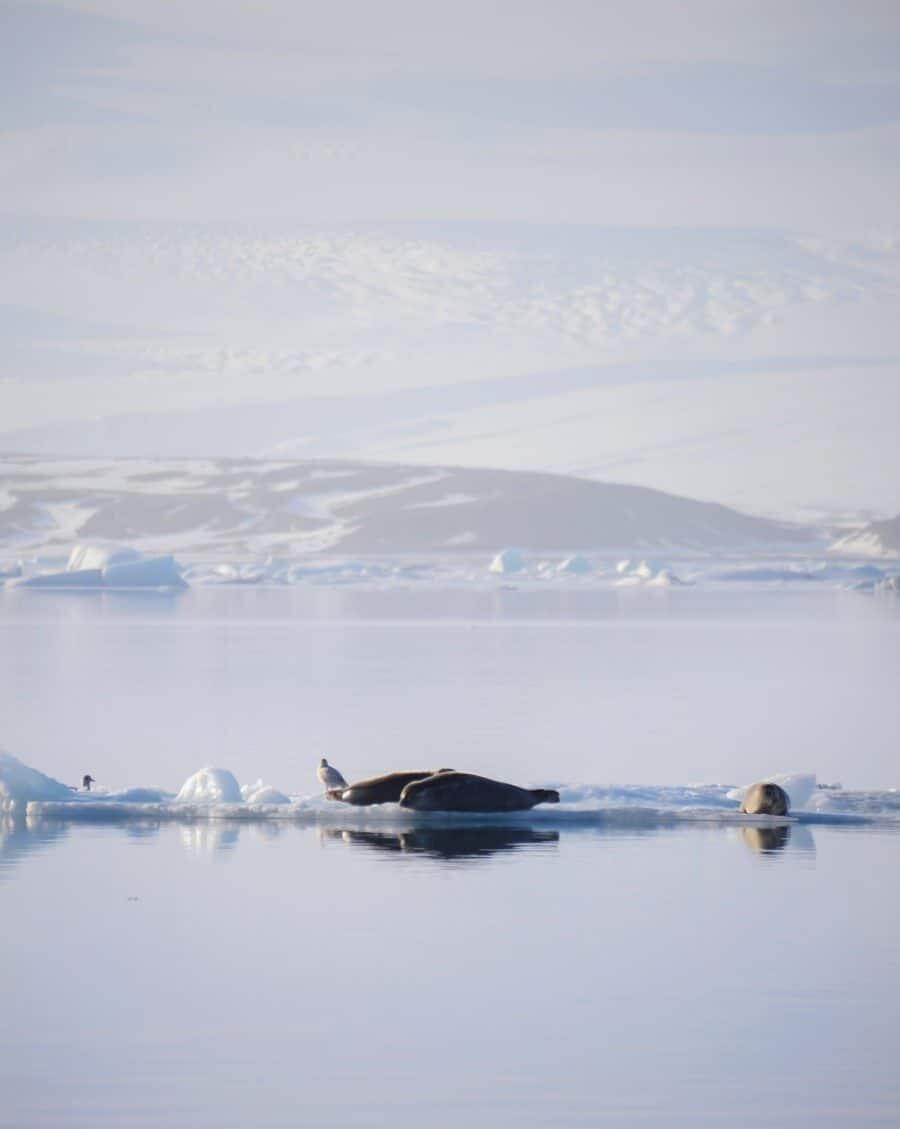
(246, 976)
(237, 975)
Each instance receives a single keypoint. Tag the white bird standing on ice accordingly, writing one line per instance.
(330, 777)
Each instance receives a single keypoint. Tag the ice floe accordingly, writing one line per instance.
(214, 794)
(106, 566)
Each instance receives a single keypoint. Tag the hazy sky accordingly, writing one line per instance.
(648, 113)
(213, 203)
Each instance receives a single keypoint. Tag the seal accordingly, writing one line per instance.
(765, 799)
(463, 791)
(384, 789)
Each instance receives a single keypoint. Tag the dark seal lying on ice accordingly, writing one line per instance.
(765, 799)
(463, 791)
(383, 789)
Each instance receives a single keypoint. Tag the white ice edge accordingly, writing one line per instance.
(214, 794)
(103, 567)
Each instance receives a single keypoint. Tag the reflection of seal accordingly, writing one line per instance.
(765, 799)
(384, 789)
(463, 791)
(447, 842)
(473, 842)
(766, 840)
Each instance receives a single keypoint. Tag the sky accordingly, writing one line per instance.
(211, 205)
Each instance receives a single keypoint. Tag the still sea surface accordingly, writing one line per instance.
(496, 973)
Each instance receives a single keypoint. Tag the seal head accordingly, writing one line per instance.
(765, 798)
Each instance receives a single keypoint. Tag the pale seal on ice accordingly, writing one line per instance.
(463, 791)
(384, 789)
(765, 799)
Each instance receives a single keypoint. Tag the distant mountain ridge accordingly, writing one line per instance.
(257, 508)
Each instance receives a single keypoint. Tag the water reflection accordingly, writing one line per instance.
(211, 837)
(20, 837)
(446, 842)
(23, 836)
(772, 839)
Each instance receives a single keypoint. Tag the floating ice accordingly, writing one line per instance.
(210, 786)
(260, 793)
(108, 566)
(646, 572)
(98, 556)
(507, 561)
(19, 785)
(767, 574)
(213, 794)
(575, 566)
(147, 572)
(81, 578)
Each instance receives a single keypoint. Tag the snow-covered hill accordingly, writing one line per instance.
(729, 365)
(256, 508)
(877, 539)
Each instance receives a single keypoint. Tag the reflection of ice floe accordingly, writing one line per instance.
(207, 838)
(20, 837)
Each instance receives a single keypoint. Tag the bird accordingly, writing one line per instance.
(330, 777)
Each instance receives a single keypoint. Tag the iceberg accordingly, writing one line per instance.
(507, 561)
(259, 793)
(19, 785)
(575, 566)
(210, 786)
(97, 556)
(106, 566)
(145, 572)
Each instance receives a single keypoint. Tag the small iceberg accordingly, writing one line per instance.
(92, 557)
(19, 785)
(210, 786)
(576, 565)
(647, 572)
(259, 794)
(507, 561)
(108, 566)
